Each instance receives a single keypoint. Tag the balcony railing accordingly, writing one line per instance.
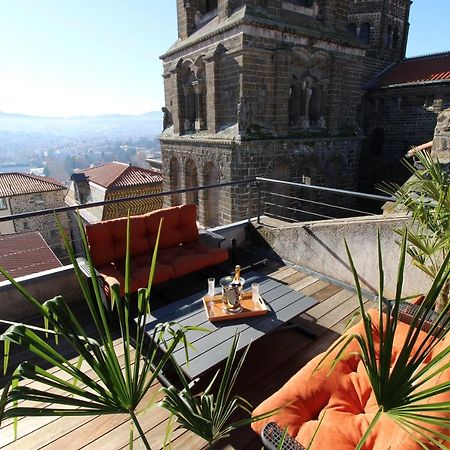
(283, 200)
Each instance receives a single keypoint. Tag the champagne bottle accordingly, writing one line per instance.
(237, 276)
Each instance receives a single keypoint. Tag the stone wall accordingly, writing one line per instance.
(311, 161)
(320, 248)
(396, 120)
(46, 225)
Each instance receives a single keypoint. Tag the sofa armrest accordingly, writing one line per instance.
(273, 435)
(210, 238)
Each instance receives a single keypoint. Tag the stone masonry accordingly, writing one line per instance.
(270, 88)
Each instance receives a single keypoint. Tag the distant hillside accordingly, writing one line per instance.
(114, 126)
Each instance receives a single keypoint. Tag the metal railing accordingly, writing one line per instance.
(285, 203)
(284, 200)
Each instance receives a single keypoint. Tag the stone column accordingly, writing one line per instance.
(186, 16)
(306, 99)
(212, 94)
(187, 108)
(177, 113)
(199, 116)
(223, 7)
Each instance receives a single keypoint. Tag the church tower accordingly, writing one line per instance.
(382, 26)
(260, 88)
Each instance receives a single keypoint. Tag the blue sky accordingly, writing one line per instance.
(89, 57)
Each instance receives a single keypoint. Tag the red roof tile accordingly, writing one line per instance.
(14, 183)
(422, 69)
(116, 174)
(26, 253)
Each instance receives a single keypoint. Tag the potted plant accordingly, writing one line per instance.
(426, 196)
(111, 389)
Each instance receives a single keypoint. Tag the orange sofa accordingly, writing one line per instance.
(346, 398)
(180, 248)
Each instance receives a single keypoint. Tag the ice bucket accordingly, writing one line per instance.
(231, 293)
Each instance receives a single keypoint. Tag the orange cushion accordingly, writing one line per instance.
(345, 397)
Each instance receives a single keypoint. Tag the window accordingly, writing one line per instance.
(364, 33)
(3, 204)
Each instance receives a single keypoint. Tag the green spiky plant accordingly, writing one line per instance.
(426, 196)
(114, 388)
(210, 414)
(401, 390)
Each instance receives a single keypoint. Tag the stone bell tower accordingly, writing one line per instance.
(382, 26)
(259, 88)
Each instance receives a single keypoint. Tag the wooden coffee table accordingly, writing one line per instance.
(212, 348)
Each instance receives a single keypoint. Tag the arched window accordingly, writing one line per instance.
(351, 28)
(395, 38)
(377, 140)
(364, 33)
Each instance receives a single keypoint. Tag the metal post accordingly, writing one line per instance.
(258, 203)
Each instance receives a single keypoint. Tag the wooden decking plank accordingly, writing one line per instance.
(331, 303)
(52, 432)
(64, 376)
(269, 365)
(155, 418)
(302, 284)
(100, 428)
(283, 273)
(314, 287)
(335, 315)
(188, 441)
(297, 276)
(326, 292)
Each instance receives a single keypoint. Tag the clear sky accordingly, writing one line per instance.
(89, 57)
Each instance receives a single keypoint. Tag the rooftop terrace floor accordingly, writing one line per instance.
(271, 361)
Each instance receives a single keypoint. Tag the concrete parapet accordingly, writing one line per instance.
(319, 246)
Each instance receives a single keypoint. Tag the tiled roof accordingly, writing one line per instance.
(15, 183)
(116, 174)
(423, 69)
(26, 253)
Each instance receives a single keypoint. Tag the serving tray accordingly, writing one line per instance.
(215, 310)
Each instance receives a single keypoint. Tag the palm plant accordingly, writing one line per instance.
(427, 197)
(402, 389)
(209, 414)
(112, 389)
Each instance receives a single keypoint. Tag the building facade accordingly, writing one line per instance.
(113, 181)
(401, 107)
(270, 88)
(22, 193)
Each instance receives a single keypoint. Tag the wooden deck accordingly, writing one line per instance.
(272, 360)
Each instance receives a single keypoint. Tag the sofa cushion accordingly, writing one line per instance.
(107, 240)
(188, 223)
(345, 397)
